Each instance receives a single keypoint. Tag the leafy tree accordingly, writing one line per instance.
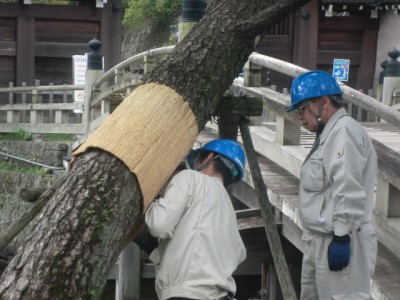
(138, 11)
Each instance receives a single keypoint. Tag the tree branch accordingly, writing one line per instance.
(269, 16)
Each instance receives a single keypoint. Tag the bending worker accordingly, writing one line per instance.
(336, 194)
(200, 246)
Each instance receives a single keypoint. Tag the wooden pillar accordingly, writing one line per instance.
(111, 32)
(306, 35)
(25, 56)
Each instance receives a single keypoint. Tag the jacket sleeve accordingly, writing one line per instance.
(164, 214)
(345, 168)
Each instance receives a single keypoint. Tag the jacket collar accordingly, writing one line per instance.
(341, 112)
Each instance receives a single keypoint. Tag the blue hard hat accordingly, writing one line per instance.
(312, 84)
(226, 148)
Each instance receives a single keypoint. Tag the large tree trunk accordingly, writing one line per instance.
(88, 220)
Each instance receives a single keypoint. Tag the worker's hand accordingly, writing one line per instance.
(339, 252)
(146, 241)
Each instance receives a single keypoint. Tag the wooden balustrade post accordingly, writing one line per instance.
(119, 76)
(252, 78)
(391, 80)
(23, 118)
(10, 94)
(149, 63)
(388, 202)
(93, 72)
(13, 116)
(252, 74)
(287, 133)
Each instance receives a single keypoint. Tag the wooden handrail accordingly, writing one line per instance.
(43, 88)
(129, 61)
(349, 94)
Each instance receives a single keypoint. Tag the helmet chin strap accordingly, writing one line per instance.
(320, 125)
(205, 165)
(318, 117)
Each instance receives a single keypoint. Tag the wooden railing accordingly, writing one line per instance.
(283, 145)
(35, 110)
(52, 109)
(110, 88)
(41, 109)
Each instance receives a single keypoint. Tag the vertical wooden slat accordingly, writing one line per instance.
(10, 94)
(24, 116)
(58, 116)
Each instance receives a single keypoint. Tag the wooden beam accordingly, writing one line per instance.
(66, 12)
(266, 211)
(239, 106)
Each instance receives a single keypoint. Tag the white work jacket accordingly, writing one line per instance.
(200, 244)
(337, 181)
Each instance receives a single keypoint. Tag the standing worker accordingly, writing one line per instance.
(337, 182)
(200, 245)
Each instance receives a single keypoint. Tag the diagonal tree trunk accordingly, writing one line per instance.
(118, 171)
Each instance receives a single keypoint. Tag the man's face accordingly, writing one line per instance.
(307, 113)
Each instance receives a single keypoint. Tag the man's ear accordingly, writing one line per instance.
(326, 100)
(209, 157)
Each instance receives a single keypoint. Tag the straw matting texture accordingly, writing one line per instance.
(150, 131)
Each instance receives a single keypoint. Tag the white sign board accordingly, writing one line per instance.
(79, 65)
(341, 68)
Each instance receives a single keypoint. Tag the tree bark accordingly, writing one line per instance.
(207, 60)
(78, 235)
(80, 232)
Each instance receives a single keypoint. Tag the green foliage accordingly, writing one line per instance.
(19, 134)
(56, 137)
(138, 11)
(25, 135)
(7, 166)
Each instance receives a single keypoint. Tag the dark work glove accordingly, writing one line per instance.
(146, 241)
(339, 252)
